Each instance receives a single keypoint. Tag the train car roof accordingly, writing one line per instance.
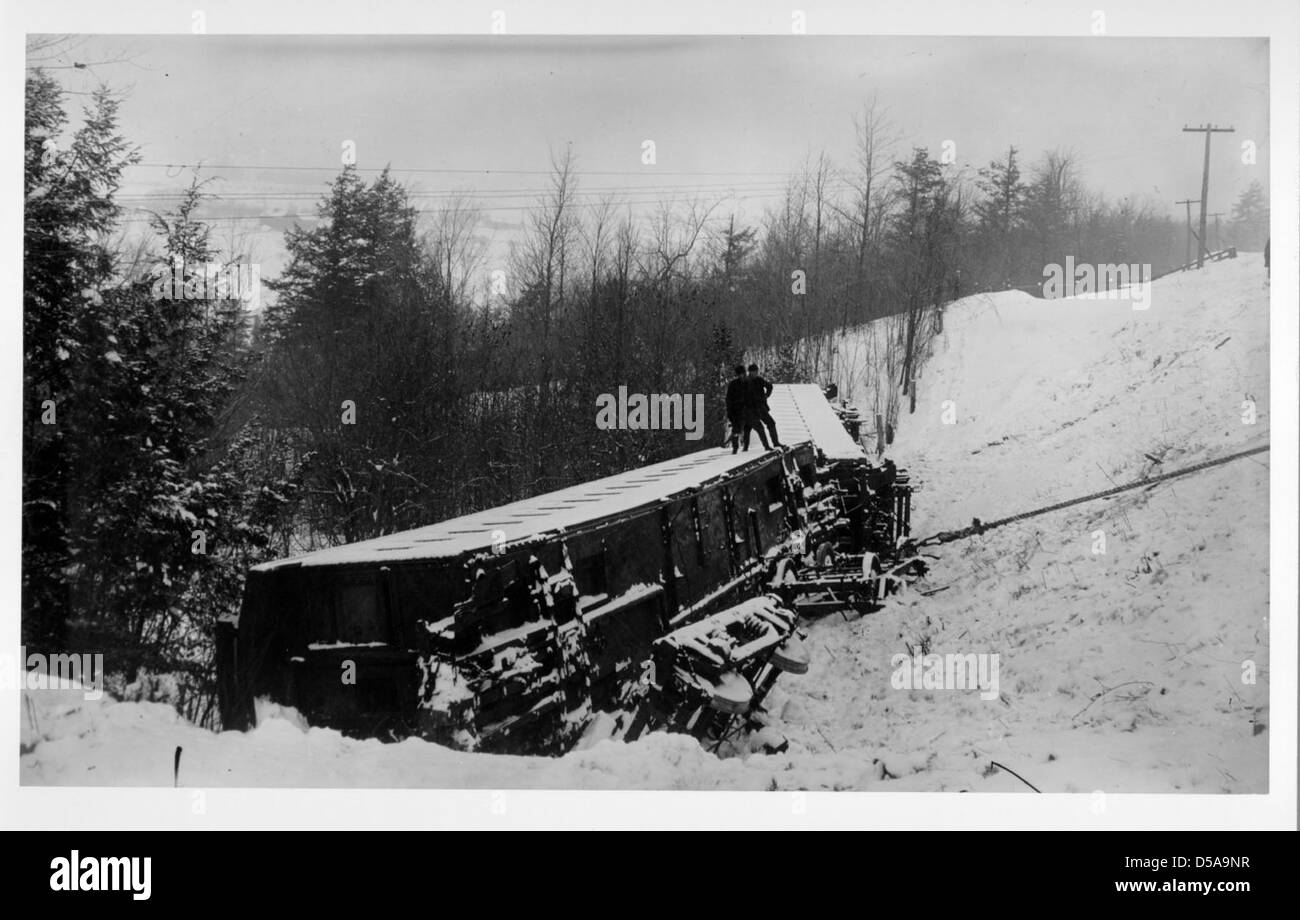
(802, 416)
(802, 413)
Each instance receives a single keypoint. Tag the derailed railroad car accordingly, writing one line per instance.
(667, 596)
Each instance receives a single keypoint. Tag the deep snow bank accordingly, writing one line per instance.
(1122, 669)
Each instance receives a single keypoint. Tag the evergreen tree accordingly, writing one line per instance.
(1250, 212)
(923, 245)
(362, 364)
(68, 348)
(134, 533)
(999, 214)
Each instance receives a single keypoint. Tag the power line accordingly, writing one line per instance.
(653, 170)
(522, 208)
(978, 527)
(491, 194)
(642, 198)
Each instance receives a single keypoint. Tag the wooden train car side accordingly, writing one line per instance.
(510, 637)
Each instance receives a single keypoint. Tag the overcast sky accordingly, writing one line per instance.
(730, 117)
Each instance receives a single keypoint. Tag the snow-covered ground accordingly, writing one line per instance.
(1119, 670)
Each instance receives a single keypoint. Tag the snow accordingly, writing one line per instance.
(1120, 671)
(603, 604)
(1053, 400)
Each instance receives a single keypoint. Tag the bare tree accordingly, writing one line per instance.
(673, 235)
(867, 213)
(1053, 193)
(457, 249)
(596, 238)
(541, 260)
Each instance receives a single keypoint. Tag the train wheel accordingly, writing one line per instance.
(792, 656)
(731, 693)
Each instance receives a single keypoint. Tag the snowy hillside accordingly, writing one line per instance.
(1052, 400)
(1119, 670)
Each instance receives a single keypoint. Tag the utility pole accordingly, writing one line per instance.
(1189, 202)
(1205, 182)
(1218, 237)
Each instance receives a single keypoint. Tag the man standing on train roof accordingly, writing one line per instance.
(736, 406)
(757, 414)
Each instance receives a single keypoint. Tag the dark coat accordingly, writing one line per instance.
(757, 390)
(736, 399)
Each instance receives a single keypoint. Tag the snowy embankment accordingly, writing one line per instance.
(1118, 670)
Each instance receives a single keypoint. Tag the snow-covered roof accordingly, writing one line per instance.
(802, 413)
(794, 408)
